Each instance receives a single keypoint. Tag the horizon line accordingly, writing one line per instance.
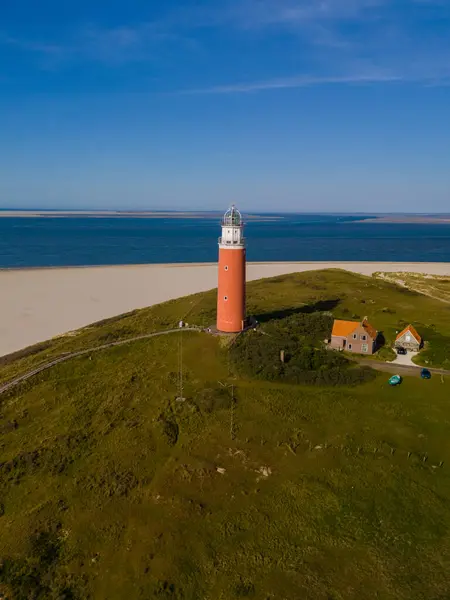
(214, 211)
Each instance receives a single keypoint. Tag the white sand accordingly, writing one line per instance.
(38, 304)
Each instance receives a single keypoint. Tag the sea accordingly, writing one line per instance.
(78, 241)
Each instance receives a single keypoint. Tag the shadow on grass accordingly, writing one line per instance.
(383, 350)
(380, 342)
(320, 306)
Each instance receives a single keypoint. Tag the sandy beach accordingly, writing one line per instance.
(38, 304)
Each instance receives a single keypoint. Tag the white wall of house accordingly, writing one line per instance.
(407, 340)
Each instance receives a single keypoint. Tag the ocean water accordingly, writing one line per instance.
(75, 241)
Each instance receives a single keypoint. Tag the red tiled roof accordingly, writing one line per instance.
(412, 331)
(370, 330)
(344, 328)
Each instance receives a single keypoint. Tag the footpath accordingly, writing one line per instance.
(65, 357)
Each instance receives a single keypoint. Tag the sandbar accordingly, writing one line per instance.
(120, 214)
(39, 304)
(408, 219)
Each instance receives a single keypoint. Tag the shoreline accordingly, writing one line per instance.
(335, 265)
(406, 220)
(354, 218)
(37, 304)
(111, 214)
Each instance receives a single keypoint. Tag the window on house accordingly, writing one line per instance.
(408, 338)
(349, 346)
(365, 347)
(364, 338)
(225, 298)
(355, 337)
(226, 268)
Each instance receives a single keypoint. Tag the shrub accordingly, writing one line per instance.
(257, 354)
(34, 576)
(169, 429)
(213, 399)
(167, 590)
(25, 353)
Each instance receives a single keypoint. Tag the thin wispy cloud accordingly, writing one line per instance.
(296, 82)
(30, 45)
(48, 55)
(118, 45)
(291, 13)
(328, 36)
(97, 41)
(108, 45)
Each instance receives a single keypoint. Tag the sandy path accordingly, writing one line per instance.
(38, 304)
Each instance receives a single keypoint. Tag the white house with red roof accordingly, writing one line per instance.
(409, 339)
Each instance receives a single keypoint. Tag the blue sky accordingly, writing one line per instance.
(332, 105)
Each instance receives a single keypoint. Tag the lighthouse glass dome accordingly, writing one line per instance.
(232, 229)
(232, 218)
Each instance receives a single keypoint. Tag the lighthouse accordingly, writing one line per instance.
(231, 289)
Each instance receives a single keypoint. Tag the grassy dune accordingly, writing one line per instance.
(110, 488)
(435, 286)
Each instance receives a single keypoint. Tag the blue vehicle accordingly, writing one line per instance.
(395, 380)
(425, 374)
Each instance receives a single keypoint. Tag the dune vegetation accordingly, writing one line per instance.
(435, 286)
(250, 478)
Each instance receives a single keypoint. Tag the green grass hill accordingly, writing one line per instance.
(311, 479)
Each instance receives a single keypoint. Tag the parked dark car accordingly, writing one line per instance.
(402, 351)
(425, 374)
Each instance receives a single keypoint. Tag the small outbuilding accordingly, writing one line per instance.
(409, 339)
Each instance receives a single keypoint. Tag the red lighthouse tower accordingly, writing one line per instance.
(231, 291)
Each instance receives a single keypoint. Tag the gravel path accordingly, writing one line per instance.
(394, 368)
(11, 384)
(406, 360)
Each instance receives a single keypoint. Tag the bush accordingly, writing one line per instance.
(34, 576)
(25, 353)
(117, 335)
(169, 429)
(308, 327)
(258, 354)
(213, 399)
